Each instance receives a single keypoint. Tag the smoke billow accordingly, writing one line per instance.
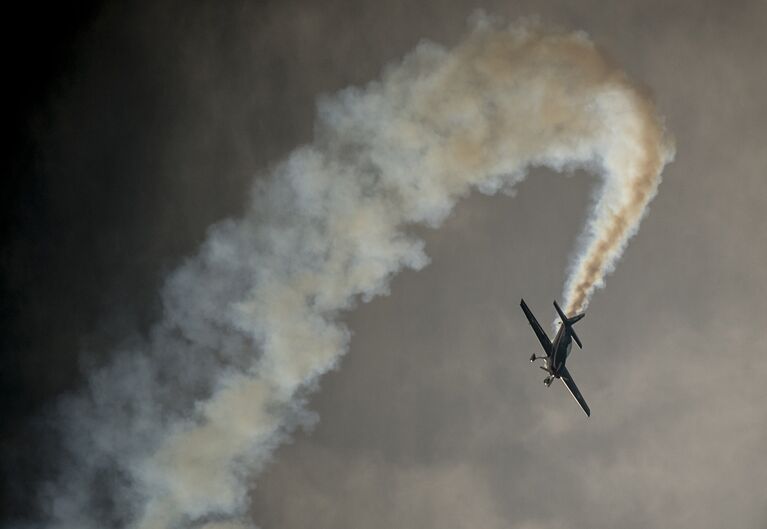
(170, 433)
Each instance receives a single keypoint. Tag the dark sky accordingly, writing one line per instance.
(137, 125)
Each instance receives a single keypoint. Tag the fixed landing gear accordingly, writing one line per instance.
(547, 381)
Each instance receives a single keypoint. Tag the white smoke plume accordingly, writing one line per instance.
(170, 435)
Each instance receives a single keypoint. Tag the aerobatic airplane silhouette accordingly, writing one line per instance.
(558, 351)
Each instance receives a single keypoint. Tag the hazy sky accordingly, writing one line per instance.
(154, 129)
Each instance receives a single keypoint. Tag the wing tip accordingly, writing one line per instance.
(569, 383)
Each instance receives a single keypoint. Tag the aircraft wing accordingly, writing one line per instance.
(539, 332)
(570, 383)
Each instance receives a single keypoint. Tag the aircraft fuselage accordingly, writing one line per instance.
(560, 350)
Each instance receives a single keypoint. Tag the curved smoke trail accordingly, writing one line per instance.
(632, 168)
(167, 435)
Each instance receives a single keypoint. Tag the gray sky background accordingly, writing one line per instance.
(435, 418)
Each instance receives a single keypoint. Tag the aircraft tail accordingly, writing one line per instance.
(569, 322)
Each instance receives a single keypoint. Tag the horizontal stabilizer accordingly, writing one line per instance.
(575, 337)
(569, 322)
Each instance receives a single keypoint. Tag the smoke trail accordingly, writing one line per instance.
(169, 434)
(632, 170)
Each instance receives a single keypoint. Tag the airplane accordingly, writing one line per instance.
(558, 351)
